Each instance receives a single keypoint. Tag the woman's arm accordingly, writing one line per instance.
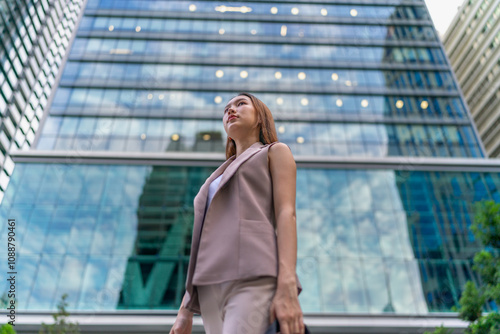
(284, 175)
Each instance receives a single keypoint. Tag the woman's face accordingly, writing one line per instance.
(240, 116)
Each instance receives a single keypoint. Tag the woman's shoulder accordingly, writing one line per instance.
(278, 146)
(280, 152)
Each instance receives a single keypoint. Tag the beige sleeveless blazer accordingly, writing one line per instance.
(236, 238)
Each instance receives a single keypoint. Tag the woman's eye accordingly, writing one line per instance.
(241, 102)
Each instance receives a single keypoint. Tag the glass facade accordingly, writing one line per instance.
(34, 36)
(119, 236)
(366, 82)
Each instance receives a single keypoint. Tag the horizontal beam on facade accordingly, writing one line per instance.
(153, 321)
(252, 62)
(311, 117)
(193, 37)
(239, 17)
(215, 159)
(260, 88)
(385, 3)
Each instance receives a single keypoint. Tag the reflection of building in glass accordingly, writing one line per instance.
(163, 231)
(472, 42)
(388, 160)
(33, 42)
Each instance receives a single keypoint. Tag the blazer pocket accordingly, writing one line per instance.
(258, 253)
(255, 226)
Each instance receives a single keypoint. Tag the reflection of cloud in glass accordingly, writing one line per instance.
(27, 266)
(65, 235)
(93, 282)
(357, 233)
(45, 283)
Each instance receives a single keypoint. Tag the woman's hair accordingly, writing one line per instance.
(267, 131)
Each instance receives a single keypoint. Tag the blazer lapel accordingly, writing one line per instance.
(233, 167)
(201, 198)
(229, 168)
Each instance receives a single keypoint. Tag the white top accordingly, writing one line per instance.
(212, 189)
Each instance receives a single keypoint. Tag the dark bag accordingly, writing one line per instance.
(275, 328)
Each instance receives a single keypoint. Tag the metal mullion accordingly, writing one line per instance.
(320, 120)
(43, 24)
(3, 69)
(444, 164)
(38, 33)
(261, 40)
(7, 56)
(19, 9)
(36, 12)
(59, 18)
(19, 34)
(273, 64)
(208, 16)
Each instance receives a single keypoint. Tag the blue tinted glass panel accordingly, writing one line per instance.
(376, 240)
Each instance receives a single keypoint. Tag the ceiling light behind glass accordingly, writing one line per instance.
(283, 31)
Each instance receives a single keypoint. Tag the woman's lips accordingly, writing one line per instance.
(230, 118)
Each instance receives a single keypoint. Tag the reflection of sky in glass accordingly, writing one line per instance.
(68, 248)
(354, 250)
(353, 222)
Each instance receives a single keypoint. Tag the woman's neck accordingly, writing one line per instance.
(243, 144)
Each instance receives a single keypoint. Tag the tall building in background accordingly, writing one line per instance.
(473, 45)
(389, 161)
(34, 38)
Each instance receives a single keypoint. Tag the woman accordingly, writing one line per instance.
(241, 274)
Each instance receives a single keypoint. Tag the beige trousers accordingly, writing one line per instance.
(238, 306)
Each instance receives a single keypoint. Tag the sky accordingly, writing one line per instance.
(442, 13)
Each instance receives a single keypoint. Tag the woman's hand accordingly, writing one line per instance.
(285, 307)
(183, 323)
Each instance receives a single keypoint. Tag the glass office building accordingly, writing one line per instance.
(389, 161)
(34, 36)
